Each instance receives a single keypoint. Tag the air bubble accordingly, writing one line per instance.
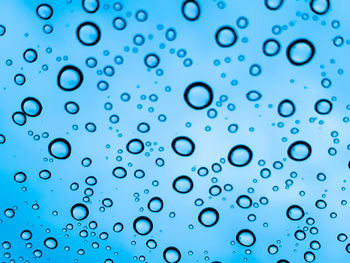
(183, 184)
(60, 148)
(299, 151)
(198, 95)
(79, 212)
(88, 34)
(246, 238)
(226, 36)
(143, 225)
(208, 217)
(286, 108)
(240, 155)
(295, 212)
(183, 146)
(191, 10)
(31, 107)
(69, 78)
(300, 52)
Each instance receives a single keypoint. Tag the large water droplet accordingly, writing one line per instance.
(273, 4)
(88, 33)
(183, 184)
(69, 78)
(135, 146)
(155, 204)
(191, 10)
(300, 52)
(246, 238)
(143, 225)
(286, 108)
(198, 95)
(240, 155)
(171, 255)
(79, 212)
(299, 151)
(50, 243)
(91, 6)
(60, 148)
(208, 217)
(295, 212)
(31, 107)
(183, 146)
(323, 106)
(319, 7)
(226, 36)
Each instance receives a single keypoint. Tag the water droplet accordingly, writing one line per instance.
(208, 217)
(299, 151)
(271, 47)
(152, 60)
(300, 52)
(143, 225)
(240, 155)
(88, 33)
(198, 95)
(323, 106)
(50, 243)
(319, 7)
(31, 107)
(172, 255)
(19, 118)
(69, 78)
(183, 146)
(79, 212)
(183, 184)
(60, 148)
(71, 107)
(135, 146)
(191, 10)
(244, 201)
(246, 238)
(295, 212)
(286, 108)
(30, 55)
(226, 36)
(44, 11)
(273, 4)
(119, 172)
(91, 6)
(155, 204)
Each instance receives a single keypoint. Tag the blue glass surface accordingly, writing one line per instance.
(174, 131)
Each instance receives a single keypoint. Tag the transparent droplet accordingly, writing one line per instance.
(240, 155)
(198, 95)
(183, 146)
(60, 148)
(208, 217)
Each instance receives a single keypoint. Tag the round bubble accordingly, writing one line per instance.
(198, 95)
(91, 6)
(183, 184)
(244, 201)
(155, 204)
(286, 108)
(191, 10)
(319, 7)
(30, 55)
(151, 60)
(119, 172)
(240, 155)
(44, 11)
(79, 212)
(171, 255)
(50, 243)
(246, 238)
(271, 47)
(273, 4)
(323, 106)
(143, 225)
(183, 146)
(295, 212)
(60, 148)
(226, 36)
(88, 34)
(135, 146)
(208, 217)
(300, 52)
(31, 107)
(299, 151)
(69, 78)
(19, 118)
